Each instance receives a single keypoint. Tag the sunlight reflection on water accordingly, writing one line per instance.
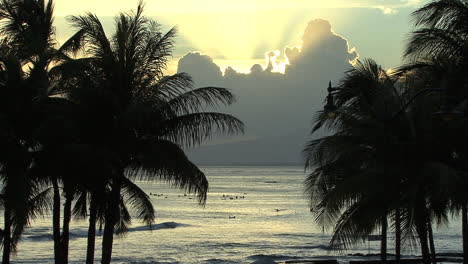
(267, 218)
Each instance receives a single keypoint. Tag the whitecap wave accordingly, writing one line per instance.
(164, 225)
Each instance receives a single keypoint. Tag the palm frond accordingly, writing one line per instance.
(40, 203)
(448, 14)
(80, 209)
(73, 44)
(365, 219)
(162, 159)
(29, 24)
(154, 52)
(139, 201)
(193, 129)
(125, 219)
(434, 42)
(199, 99)
(169, 87)
(94, 37)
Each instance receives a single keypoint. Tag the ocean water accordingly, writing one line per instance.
(252, 215)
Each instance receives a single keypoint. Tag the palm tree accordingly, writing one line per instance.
(88, 170)
(375, 152)
(143, 117)
(21, 197)
(81, 170)
(15, 158)
(363, 186)
(443, 34)
(28, 25)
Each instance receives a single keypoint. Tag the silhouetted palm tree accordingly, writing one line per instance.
(443, 35)
(372, 165)
(140, 115)
(88, 171)
(15, 157)
(28, 25)
(21, 197)
(352, 165)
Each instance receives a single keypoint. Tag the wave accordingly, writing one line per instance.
(291, 171)
(148, 262)
(144, 260)
(321, 247)
(448, 236)
(274, 257)
(164, 225)
(84, 233)
(232, 244)
(265, 261)
(220, 261)
(304, 235)
(236, 245)
(39, 238)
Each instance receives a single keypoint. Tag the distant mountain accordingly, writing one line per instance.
(282, 150)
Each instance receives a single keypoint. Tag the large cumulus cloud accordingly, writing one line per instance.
(277, 108)
(320, 48)
(201, 67)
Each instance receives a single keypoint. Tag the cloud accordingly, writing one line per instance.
(319, 44)
(277, 108)
(201, 67)
(388, 10)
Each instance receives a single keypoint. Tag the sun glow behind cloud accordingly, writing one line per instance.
(235, 31)
(235, 35)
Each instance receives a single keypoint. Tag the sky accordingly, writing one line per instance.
(276, 56)
(238, 33)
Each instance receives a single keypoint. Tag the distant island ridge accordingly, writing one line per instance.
(270, 150)
(250, 164)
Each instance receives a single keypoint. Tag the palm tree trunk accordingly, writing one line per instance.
(111, 219)
(397, 235)
(421, 229)
(431, 242)
(6, 237)
(91, 231)
(107, 241)
(383, 243)
(65, 239)
(56, 221)
(465, 233)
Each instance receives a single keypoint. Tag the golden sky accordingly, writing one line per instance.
(109, 7)
(242, 31)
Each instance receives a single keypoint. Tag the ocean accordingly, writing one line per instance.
(253, 215)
